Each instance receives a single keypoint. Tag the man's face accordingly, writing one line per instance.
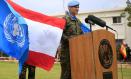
(74, 10)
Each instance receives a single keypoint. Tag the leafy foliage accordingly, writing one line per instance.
(128, 10)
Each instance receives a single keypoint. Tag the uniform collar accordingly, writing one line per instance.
(71, 16)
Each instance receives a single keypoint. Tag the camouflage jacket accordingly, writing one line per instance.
(71, 29)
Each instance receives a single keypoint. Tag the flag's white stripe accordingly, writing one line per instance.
(43, 38)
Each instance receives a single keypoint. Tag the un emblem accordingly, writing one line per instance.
(105, 53)
(14, 33)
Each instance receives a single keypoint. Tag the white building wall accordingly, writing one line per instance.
(128, 36)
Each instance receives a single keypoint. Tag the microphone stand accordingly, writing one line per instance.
(107, 28)
(90, 23)
(90, 27)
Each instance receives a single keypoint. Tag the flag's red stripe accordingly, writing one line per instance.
(35, 16)
(40, 60)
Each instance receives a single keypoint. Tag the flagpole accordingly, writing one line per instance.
(64, 5)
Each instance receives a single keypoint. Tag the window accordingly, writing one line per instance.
(117, 19)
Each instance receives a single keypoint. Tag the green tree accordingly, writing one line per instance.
(128, 10)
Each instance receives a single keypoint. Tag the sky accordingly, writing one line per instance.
(51, 7)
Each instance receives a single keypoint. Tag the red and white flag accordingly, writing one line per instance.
(44, 36)
(123, 50)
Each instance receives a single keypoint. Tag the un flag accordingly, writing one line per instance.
(13, 32)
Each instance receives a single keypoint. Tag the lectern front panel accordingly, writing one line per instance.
(93, 56)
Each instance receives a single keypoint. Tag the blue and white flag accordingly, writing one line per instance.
(13, 33)
(85, 28)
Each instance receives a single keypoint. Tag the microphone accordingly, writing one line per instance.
(93, 19)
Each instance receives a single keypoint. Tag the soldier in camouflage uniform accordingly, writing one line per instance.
(72, 29)
(31, 72)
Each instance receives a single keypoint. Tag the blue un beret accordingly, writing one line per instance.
(73, 3)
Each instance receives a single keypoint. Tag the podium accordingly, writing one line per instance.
(93, 55)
